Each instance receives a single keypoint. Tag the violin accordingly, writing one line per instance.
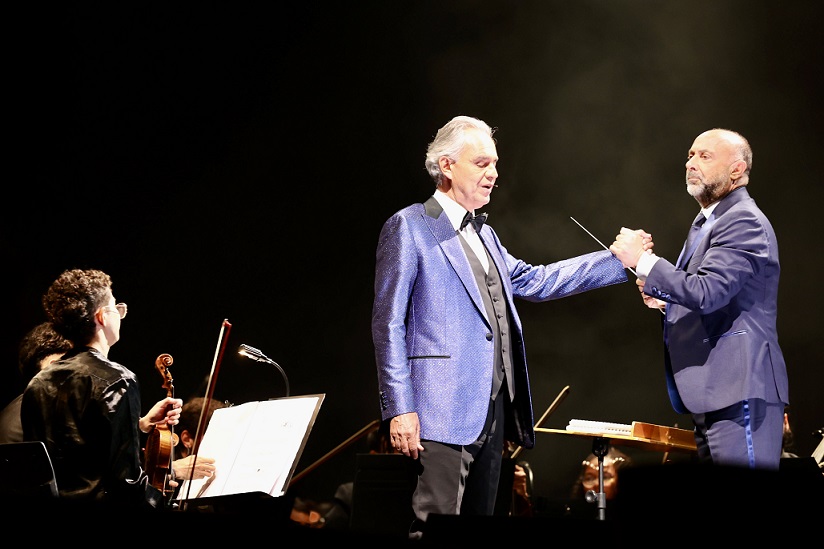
(159, 452)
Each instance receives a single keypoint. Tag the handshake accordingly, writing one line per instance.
(630, 246)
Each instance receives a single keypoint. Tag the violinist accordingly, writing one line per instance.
(204, 466)
(86, 408)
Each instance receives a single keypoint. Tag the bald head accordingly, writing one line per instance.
(735, 144)
(718, 162)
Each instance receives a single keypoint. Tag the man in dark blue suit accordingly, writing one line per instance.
(723, 362)
(452, 372)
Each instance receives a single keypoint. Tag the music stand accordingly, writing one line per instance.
(647, 436)
(256, 447)
(600, 447)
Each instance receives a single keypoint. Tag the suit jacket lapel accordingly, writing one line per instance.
(449, 242)
(738, 195)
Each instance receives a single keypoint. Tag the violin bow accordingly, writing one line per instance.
(222, 338)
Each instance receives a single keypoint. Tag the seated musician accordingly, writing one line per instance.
(85, 407)
(204, 466)
(588, 480)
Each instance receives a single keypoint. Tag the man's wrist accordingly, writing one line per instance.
(645, 264)
(145, 425)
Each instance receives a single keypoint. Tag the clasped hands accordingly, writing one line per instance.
(629, 246)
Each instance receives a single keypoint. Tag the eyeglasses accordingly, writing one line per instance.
(121, 309)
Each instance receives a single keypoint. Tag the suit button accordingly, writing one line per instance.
(489, 337)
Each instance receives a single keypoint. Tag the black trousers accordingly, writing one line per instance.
(461, 480)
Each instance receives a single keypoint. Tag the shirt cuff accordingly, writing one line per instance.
(645, 264)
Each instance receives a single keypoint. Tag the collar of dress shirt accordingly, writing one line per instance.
(454, 211)
(708, 210)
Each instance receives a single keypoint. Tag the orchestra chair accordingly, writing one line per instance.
(26, 471)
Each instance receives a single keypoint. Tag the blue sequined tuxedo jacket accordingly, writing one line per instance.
(720, 332)
(433, 343)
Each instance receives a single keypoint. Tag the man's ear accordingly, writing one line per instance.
(446, 167)
(737, 170)
(186, 439)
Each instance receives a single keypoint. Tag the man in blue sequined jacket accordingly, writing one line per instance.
(451, 361)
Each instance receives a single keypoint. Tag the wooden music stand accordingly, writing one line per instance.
(647, 436)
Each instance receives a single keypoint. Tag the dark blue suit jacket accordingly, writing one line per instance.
(720, 328)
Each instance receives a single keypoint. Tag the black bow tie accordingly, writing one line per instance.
(476, 220)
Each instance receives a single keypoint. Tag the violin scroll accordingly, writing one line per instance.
(162, 365)
(159, 452)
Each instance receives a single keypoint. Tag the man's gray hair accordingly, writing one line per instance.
(450, 141)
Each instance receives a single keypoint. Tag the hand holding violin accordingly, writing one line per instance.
(164, 412)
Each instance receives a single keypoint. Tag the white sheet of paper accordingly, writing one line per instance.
(254, 446)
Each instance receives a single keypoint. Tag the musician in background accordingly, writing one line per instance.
(581, 506)
(515, 486)
(204, 466)
(588, 478)
(522, 486)
(788, 440)
(39, 347)
(309, 513)
(85, 407)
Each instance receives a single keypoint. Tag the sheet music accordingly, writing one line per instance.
(255, 446)
(589, 426)
(648, 436)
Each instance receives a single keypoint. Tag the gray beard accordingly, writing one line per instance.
(706, 192)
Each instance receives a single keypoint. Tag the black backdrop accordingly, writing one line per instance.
(238, 163)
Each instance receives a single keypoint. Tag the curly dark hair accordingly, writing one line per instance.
(72, 301)
(39, 343)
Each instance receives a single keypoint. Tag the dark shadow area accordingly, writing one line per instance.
(790, 496)
(658, 504)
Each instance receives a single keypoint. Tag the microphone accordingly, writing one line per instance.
(256, 354)
(496, 186)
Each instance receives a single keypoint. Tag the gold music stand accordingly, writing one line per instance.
(647, 436)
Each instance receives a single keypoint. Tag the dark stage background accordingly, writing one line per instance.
(238, 163)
